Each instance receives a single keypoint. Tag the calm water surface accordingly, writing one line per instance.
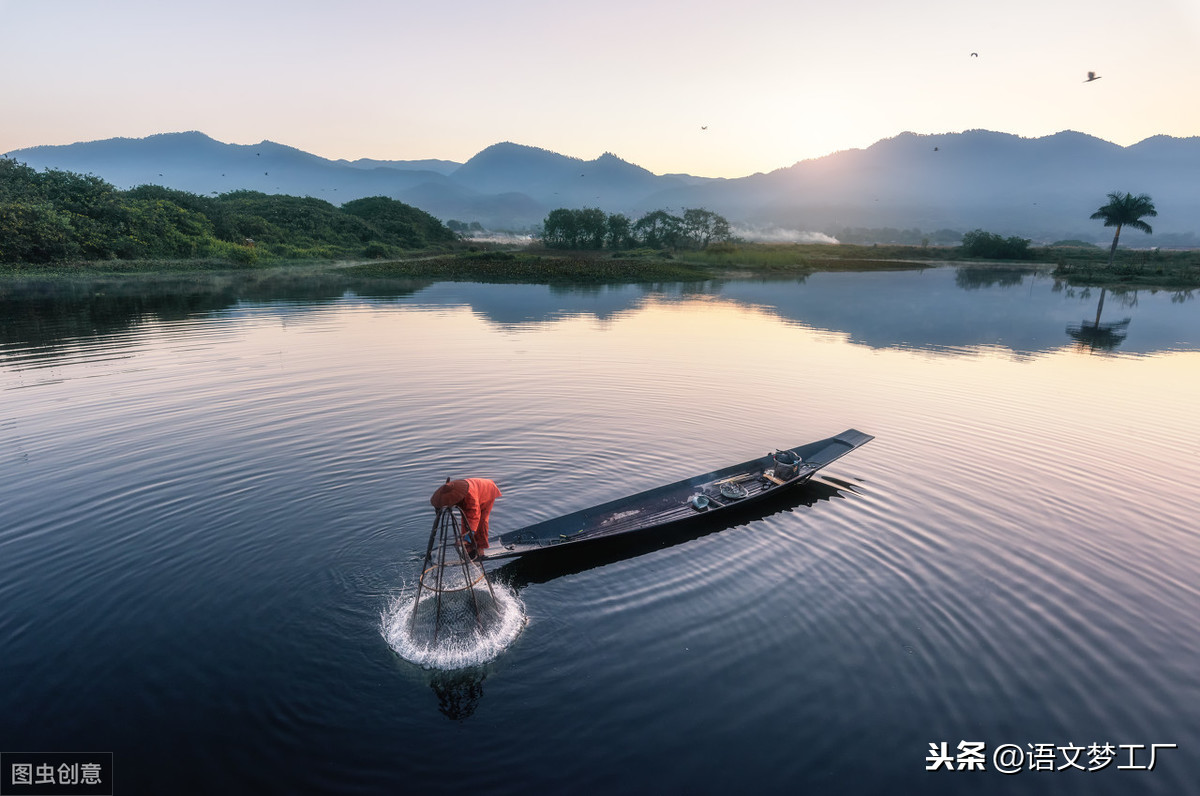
(212, 495)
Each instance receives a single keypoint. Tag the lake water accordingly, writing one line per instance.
(215, 495)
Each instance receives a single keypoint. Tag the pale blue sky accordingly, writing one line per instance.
(775, 81)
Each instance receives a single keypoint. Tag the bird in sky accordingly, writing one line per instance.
(704, 127)
(1092, 76)
(974, 55)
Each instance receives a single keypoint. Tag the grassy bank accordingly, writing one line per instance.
(1078, 265)
(1143, 268)
(808, 258)
(642, 265)
(1074, 265)
(536, 267)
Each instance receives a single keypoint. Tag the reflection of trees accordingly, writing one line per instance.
(458, 692)
(979, 278)
(1097, 336)
(49, 316)
(45, 314)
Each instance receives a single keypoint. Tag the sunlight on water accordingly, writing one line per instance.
(459, 641)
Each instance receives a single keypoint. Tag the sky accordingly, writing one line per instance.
(712, 89)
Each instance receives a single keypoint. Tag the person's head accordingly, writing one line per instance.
(449, 494)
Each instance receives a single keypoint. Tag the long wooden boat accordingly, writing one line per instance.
(682, 501)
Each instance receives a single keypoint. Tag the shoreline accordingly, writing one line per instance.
(534, 265)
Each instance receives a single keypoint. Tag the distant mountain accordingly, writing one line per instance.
(196, 163)
(543, 174)
(1042, 188)
(429, 164)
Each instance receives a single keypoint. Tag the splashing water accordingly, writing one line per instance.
(460, 640)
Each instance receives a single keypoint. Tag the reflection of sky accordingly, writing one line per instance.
(919, 309)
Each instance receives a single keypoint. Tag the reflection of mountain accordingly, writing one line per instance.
(936, 309)
(518, 305)
(933, 309)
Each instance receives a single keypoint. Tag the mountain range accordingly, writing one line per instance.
(1040, 188)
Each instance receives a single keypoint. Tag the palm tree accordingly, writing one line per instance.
(1125, 211)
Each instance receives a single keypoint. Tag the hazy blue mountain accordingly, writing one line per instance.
(548, 180)
(542, 174)
(428, 164)
(1042, 188)
(194, 162)
(450, 200)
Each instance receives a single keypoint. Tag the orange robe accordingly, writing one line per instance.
(475, 497)
(477, 505)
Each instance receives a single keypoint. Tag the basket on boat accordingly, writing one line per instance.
(787, 464)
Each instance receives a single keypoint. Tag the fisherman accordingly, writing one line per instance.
(475, 497)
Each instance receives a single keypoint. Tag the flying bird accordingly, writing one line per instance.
(974, 55)
(704, 127)
(1092, 76)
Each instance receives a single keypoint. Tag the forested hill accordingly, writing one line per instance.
(59, 216)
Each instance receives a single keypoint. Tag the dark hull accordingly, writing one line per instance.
(670, 505)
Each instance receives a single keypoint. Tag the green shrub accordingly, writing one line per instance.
(988, 245)
(377, 251)
(58, 216)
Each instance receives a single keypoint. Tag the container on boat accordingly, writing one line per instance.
(787, 464)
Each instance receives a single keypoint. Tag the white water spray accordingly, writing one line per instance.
(460, 637)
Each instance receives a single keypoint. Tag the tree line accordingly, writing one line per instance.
(592, 228)
(60, 216)
(1122, 210)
